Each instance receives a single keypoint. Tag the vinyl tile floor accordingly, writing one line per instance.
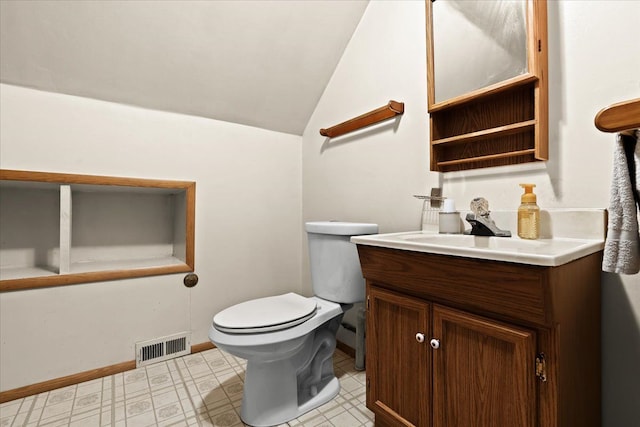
(202, 389)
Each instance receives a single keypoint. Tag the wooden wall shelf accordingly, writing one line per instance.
(488, 133)
(489, 158)
(62, 229)
(392, 109)
(619, 117)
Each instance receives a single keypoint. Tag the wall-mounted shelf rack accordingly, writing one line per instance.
(392, 109)
(63, 229)
(619, 117)
(500, 127)
(503, 123)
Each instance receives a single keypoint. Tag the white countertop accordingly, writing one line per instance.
(555, 248)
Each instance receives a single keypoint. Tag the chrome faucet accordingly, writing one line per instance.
(481, 222)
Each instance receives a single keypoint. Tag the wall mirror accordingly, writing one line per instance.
(486, 75)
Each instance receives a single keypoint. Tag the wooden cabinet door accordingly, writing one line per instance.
(398, 360)
(484, 372)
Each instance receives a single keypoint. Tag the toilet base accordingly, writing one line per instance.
(264, 406)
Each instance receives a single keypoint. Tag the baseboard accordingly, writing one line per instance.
(197, 348)
(30, 390)
(346, 349)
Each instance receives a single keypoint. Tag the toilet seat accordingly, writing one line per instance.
(266, 314)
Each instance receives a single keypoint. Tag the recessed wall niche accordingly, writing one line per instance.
(61, 229)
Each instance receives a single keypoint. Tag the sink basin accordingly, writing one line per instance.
(545, 252)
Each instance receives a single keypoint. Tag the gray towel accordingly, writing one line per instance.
(622, 246)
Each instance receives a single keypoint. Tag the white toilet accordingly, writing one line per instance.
(289, 340)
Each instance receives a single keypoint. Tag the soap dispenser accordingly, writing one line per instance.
(528, 214)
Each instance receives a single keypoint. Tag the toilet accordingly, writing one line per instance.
(289, 340)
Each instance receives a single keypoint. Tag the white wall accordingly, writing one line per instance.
(372, 175)
(248, 227)
(594, 60)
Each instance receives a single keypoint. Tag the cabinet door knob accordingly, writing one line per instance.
(435, 343)
(419, 337)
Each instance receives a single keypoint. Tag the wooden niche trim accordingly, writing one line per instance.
(33, 179)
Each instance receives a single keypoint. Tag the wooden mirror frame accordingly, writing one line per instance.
(504, 123)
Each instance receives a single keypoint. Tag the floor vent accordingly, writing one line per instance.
(163, 348)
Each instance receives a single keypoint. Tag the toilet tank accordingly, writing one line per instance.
(335, 267)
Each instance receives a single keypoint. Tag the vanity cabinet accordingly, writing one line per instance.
(455, 341)
(62, 229)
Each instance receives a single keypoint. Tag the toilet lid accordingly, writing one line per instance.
(265, 314)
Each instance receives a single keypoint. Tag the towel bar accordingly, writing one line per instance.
(619, 117)
(392, 109)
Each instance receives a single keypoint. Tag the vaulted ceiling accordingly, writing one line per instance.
(261, 63)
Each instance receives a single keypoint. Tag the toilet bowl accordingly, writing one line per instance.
(289, 340)
(289, 370)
